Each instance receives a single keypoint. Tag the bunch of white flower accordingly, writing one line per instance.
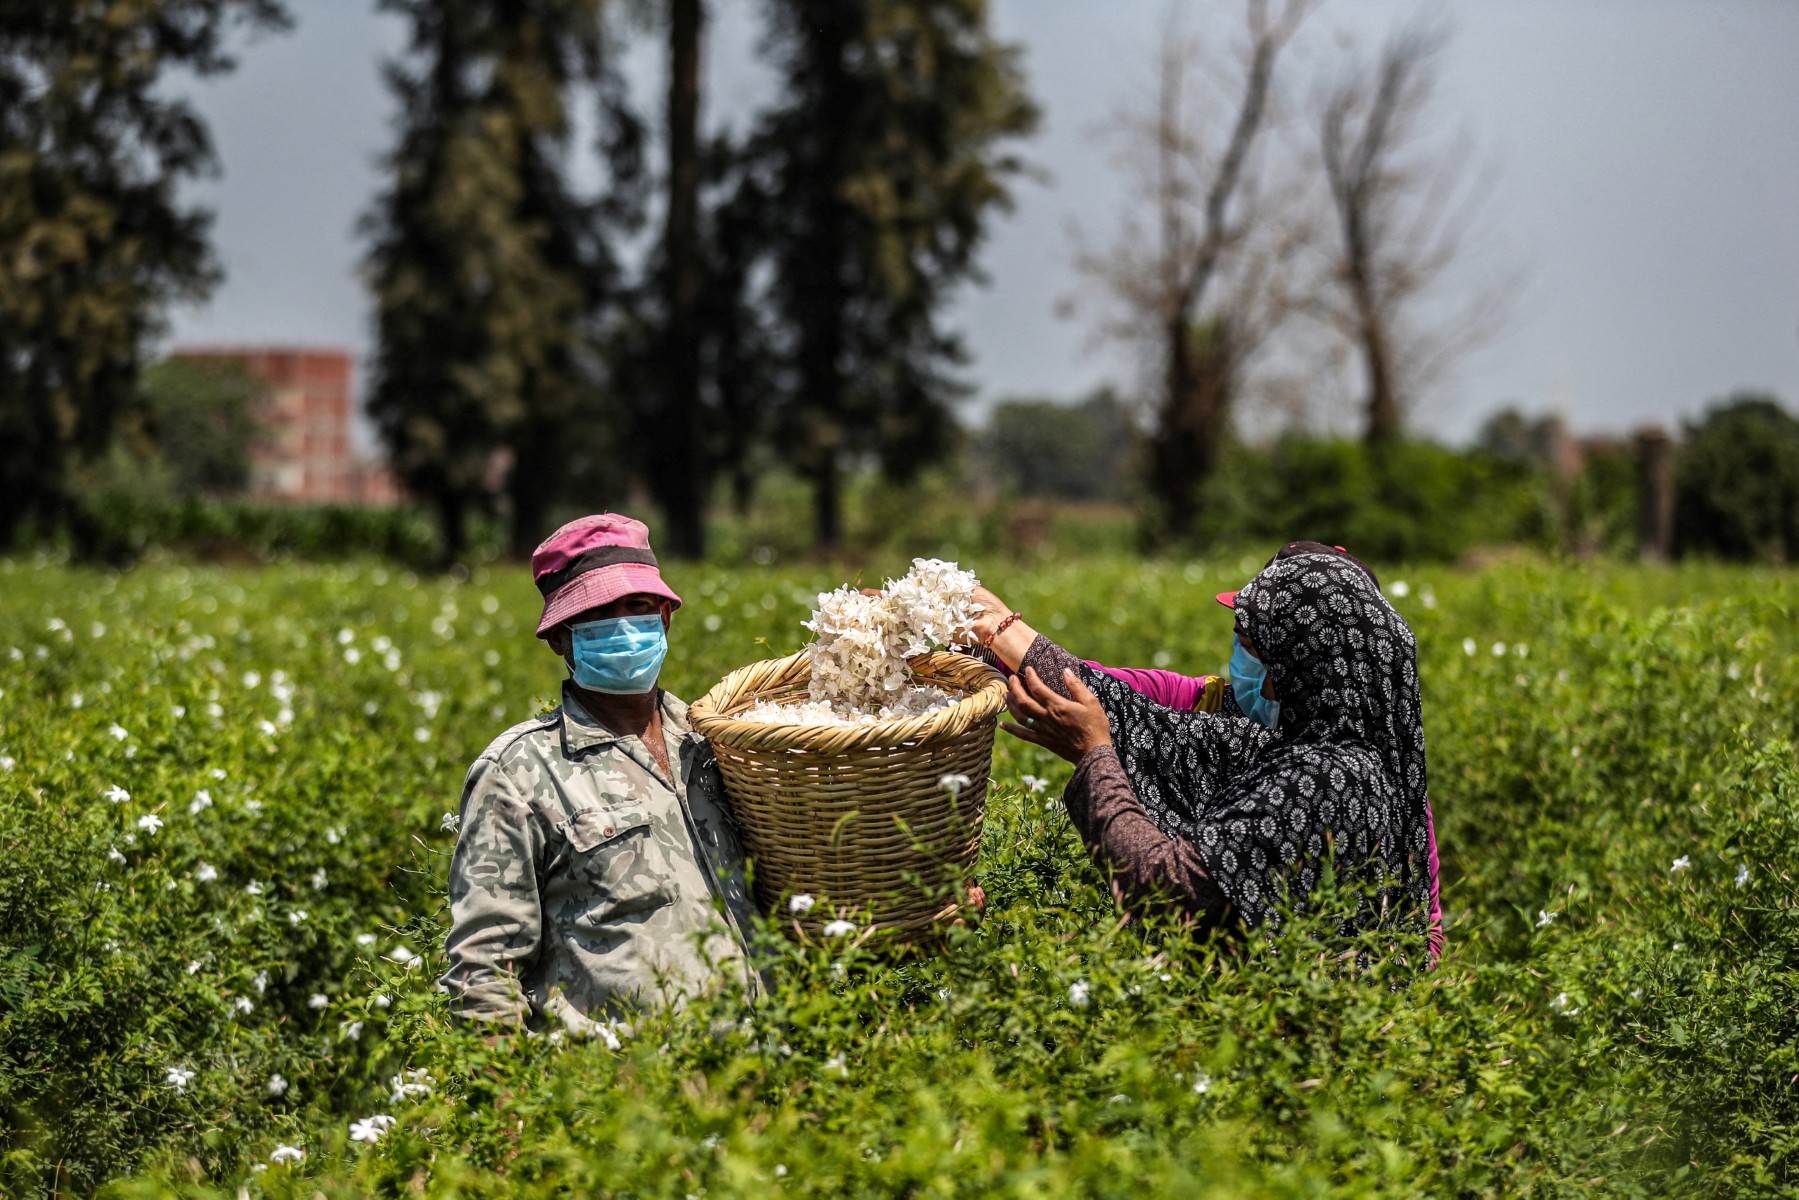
(859, 671)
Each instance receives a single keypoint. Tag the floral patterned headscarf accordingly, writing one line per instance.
(1344, 773)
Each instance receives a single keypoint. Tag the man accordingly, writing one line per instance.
(597, 869)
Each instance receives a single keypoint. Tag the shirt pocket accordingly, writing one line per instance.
(616, 865)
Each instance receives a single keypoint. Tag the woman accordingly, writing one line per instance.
(1218, 813)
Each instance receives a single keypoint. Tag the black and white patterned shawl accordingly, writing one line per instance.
(1344, 772)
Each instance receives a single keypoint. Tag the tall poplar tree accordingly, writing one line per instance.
(488, 270)
(880, 163)
(94, 244)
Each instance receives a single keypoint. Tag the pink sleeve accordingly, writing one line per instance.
(1170, 690)
(1436, 936)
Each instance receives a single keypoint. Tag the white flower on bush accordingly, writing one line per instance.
(218, 773)
(1399, 589)
(352, 1030)
(253, 807)
(276, 1085)
(118, 731)
(296, 916)
(953, 784)
(1033, 784)
(320, 880)
(800, 904)
(1544, 917)
(149, 822)
(201, 802)
(1078, 992)
(383, 1000)
(252, 679)
(1562, 1004)
(410, 1085)
(839, 928)
(839, 1064)
(1680, 864)
(8, 762)
(405, 957)
(253, 888)
(1202, 1083)
(450, 823)
(178, 1078)
(206, 872)
(267, 726)
(286, 1154)
(116, 794)
(352, 656)
(317, 1000)
(193, 966)
(244, 1004)
(370, 1129)
(113, 854)
(1498, 649)
(1469, 646)
(365, 939)
(1743, 876)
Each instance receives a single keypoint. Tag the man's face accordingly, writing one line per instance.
(639, 604)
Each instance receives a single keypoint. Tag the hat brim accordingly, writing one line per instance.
(1228, 599)
(600, 587)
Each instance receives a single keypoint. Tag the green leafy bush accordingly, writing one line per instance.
(1616, 795)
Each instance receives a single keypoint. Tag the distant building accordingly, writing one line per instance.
(306, 455)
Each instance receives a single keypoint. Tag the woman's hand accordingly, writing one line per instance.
(993, 611)
(1068, 726)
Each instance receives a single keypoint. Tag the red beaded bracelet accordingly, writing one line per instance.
(987, 642)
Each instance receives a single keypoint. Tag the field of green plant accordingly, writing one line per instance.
(223, 844)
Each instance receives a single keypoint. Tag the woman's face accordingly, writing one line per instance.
(1267, 680)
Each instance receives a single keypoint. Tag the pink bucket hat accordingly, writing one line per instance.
(592, 562)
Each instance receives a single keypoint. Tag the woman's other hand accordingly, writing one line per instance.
(1068, 726)
(993, 611)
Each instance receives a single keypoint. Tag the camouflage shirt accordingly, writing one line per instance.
(585, 882)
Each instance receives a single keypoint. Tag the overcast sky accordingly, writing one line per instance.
(1644, 157)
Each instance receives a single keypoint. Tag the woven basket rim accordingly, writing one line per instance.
(983, 688)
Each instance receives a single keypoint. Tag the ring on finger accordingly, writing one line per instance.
(1030, 722)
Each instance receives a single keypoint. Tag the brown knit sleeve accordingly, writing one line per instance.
(1049, 661)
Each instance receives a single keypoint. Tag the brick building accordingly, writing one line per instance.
(306, 455)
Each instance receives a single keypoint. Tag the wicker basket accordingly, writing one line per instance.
(857, 816)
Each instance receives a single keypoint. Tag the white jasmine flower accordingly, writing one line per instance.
(1680, 864)
(244, 1004)
(178, 711)
(839, 928)
(555, 1037)
(113, 855)
(8, 762)
(218, 773)
(261, 981)
(450, 823)
(119, 732)
(365, 939)
(319, 880)
(345, 636)
(1636, 993)
(202, 801)
(252, 679)
(1078, 992)
(1469, 647)
(953, 784)
(149, 822)
(800, 903)
(353, 1030)
(1743, 876)
(267, 726)
(352, 656)
(421, 734)
(838, 1064)
(296, 916)
(405, 957)
(370, 1129)
(116, 794)
(1399, 589)
(1033, 784)
(944, 994)
(333, 834)
(1544, 917)
(193, 967)
(780, 1170)
(286, 1154)
(178, 1078)
(253, 888)
(317, 1000)
(1561, 1004)
(206, 872)
(1202, 1083)
(410, 1084)
(1498, 649)
(276, 1085)
(383, 1000)
(76, 700)
(253, 807)
(215, 710)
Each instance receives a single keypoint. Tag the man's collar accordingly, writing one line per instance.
(582, 731)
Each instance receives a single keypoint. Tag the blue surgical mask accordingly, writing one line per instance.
(621, 656)
(1247, 675)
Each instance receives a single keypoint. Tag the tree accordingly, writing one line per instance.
(1402, 206)
(1203, 290)
(489, 272)
(879, 166)
(202, 419)
(94, 244)
(1737, 482)
(1053, 449)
